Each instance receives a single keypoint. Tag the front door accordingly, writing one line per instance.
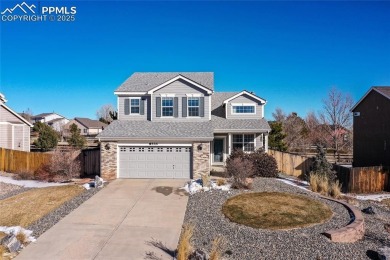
(218, 150)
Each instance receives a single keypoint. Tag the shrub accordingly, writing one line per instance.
(22, 238)
(314, 182)
(321, 166)
(239, 169)
(335, 189)
(264, 164)
(323, 185)
(184, 248)
(221, 182)
(43, 173)
(24, 175)
(205, 180)
(63, 165)
(217, 248)
(3, 250)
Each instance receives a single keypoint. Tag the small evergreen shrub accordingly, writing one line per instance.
(321, 166)
(264, 164)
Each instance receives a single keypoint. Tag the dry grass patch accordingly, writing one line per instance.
(217, 248)
(386, 202)
(275, 210)
(184, 248)
(26, 208)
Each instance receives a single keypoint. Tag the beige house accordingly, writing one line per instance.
(87, 126)
(14, 129)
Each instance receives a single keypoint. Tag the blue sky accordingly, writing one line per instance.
(290, 53)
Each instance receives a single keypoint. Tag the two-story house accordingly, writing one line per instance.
(56, 121)
(173, 125)
(371, 128)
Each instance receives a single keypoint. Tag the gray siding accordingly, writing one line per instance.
(5, 136)
(26, 140)
(121, 109)
(244, 99)
(6, 116)
(180, 89)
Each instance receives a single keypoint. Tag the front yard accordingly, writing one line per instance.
(36, 209)
(204, 211)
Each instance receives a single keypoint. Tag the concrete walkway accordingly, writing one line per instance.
(119, 222)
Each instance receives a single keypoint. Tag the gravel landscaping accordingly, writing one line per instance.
(242, 242)
(9, 190)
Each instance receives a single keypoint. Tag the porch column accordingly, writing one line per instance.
(266, 142)
(229, 143)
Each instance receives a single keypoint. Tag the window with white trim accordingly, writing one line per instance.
(245, 142)
(167, 106)
(193, 106)
(134, 105)
(243, 109)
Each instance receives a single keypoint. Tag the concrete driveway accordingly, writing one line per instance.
(125, 220)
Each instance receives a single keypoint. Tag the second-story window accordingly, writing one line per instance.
(167, 106)
(134, 105)
(193, 106)
(243, 109)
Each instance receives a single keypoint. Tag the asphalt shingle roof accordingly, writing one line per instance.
(89, 123)
(384, 91)
(153, 130)
(145, 81)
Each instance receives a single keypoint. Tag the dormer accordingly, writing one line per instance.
(244, 105)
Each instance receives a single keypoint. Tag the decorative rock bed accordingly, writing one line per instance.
(204, 211)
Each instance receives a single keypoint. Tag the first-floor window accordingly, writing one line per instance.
(167, 106)
(245, 142)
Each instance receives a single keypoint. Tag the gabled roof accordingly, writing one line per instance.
(263, 101)
(16, 114)
(42, 115)
(146, 81)
(383, 90)
(89, 123)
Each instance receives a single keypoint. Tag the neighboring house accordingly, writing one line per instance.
(54, 120)
(371, 128)
(14, 129)
(87, 126)
(173, 125)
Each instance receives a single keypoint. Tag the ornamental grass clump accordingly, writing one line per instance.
(185, 248)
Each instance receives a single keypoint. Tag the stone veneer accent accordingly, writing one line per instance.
(200, 159)
(108, 161)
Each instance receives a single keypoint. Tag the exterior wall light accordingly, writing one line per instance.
(200, 147)
(107, 146)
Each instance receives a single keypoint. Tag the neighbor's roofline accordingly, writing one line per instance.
(247, 93)
(17, 115)
(156, 138)
(368, 92)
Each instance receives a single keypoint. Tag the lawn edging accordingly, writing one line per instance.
(351, 233)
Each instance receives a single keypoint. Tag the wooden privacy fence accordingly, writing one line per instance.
(292, 164)
(363, 179)
(17, 161)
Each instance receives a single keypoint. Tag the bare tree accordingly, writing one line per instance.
(28, 114)
(336, 118)
(105, 113)
(295, 129)
(279, 115)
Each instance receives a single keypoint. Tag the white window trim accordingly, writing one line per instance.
(188, 110)
(173, 105)
(139, 106)
(194, 95)
(254, 141)
(243, 104)
(167, 95)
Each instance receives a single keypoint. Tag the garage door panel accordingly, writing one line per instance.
(154, 162)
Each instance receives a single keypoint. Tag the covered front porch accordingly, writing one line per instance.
(224, 143)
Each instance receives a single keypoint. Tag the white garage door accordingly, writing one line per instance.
(154, 162)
